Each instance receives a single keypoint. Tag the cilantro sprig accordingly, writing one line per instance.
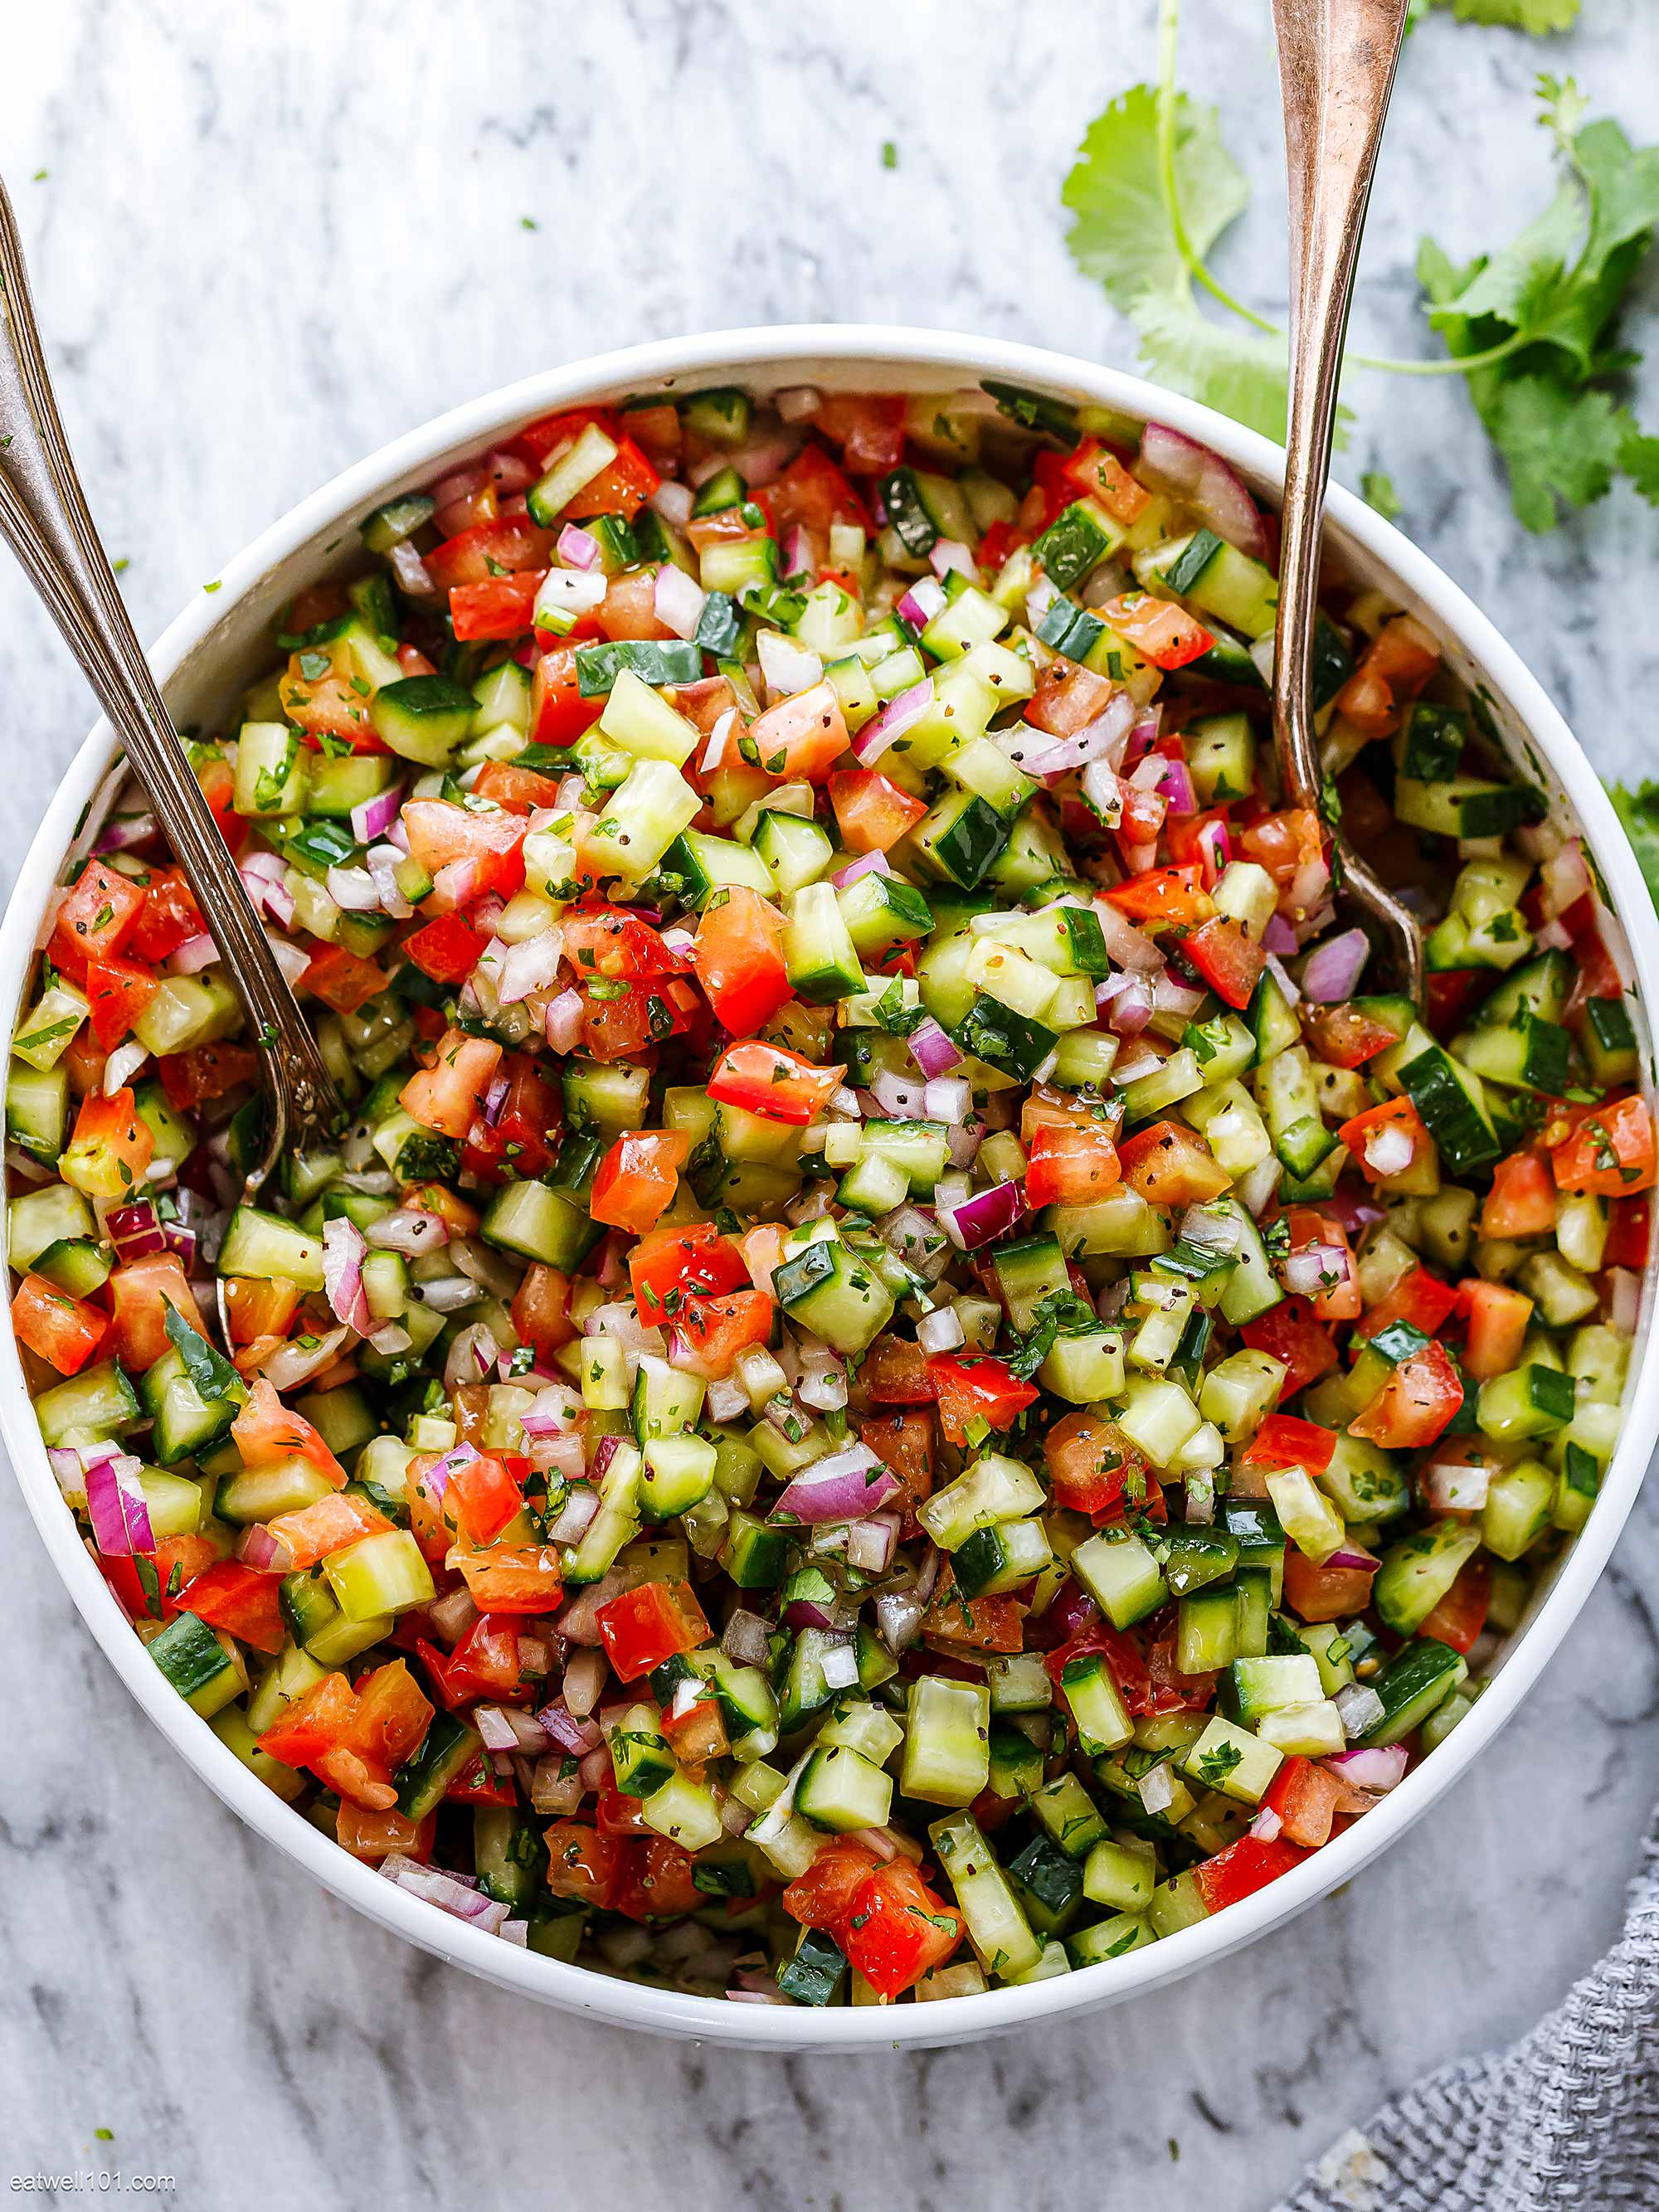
(1530, 326)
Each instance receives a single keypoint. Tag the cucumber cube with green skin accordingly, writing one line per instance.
(841, 1789)
(1466, 806)
(1419, 1570)
(1197, 1556)
(537, 1222)
(1108, 1939)
(840, 1298)
(1207, 1628)
(946, 1740)
(1120, 1875)
(1016, 1763)
(397, 519)
(1527, 1403)
(1431, 741)
(1518, 1508)
(1076, 542)
(1005, 1040)
(75, 1265)
(1220, 580)
(1120, 1575)
(1064, 1809)
(424, 718)
(639, 1755)
(1608, 1043)
(1048, 1884)
(1453, 1108)
(380, 1574)
(1097, 1706)
(1418, 1678)
(1232, 1761)
(265, 1245)
(1257, 1687)
(997, 1924)
(816, 1971)
(205, 1676)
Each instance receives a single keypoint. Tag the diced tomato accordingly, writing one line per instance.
(1450, 994)
(982, 1624)
(520, 790)
(738, 956)
(1067, 698)
(635, 1181)
(509, 1579)
(974, 1389)
(622, 487)
(1377, 1128)
(1160, 631)
(100, 912)
(583, 1865)
(258, 1306)
(170, 917)
(66, 1332)
(1417, 1298)
(1284, 1441)
(521, 1140)
(897, 1372)
(812, 492)
(1393, 669)
(871, 813)
(1461, 1615)
(622, 1020)
(896, 1929)
(321, 695)
(1522, 1200)
(118, 990)
(802, 737)
(558, 712)
(657, 1882)
(266, 1430)
(1414, 1404)
(1345, 1035)
(206, 1072)
(541, 1311)
(1497, 1320)
(770, 1080)
(868, 426)
(487, 1663)
(1161, 895)
(1092, 1464)
(1608, 1149)
(902, 1440)
(1305, 1798)
(609, 941)
(477, 1782)
(1629, 1233)
(140, 1291)
(1097, 472)
(481, 1498)
(648, 1625)
(111, 1148)
(1327, 1592)
(1321, 1237)
(822, 1896)
(696, 1261)
(447, 949)
(466, 854)
(444, 1097)
(368, 1835)
(1070, 1164)
(1227, 957)
(1290, 1334)
(488, 551)
(312, 1532)
(715, 1330)
(1170, 1165)
(343, 981)
(503, 606)
(244, 1604)
(1243, 1868)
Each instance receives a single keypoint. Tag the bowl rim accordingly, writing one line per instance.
(856, 350)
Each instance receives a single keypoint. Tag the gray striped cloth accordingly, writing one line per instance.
(1566, 2120)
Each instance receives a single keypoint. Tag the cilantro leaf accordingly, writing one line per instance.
(213, 1376)
(1638, 811)
(1062, 1313)
(1377, 491)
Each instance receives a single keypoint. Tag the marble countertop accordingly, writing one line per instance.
(266, 239)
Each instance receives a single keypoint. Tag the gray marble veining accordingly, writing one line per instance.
(267, 238)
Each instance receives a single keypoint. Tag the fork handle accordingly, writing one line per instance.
(1336, 65)
(44, 519)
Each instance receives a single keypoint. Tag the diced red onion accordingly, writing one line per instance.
(559, 1454)
(115, 1506)
(946, 554)
(845, 1487)
(390, 1339)
(565, 595)
(1276, 969)
(674, 502)
(1156, 1789)
(1170, 996)
(447, 1891)
(678, 600)
(1552, 937)
(135, 1230)
(1103, 790)
(1125, 944)
(716, 752)
(1215, 852)
(1624, 1300)
(584, 1676)
(867, 864)
(1171, 462)
(948, 1099)
(342, 1277)
(1360, 1707)
(983, 1218)
(901, 713)
(408, 1231)
(1104, 738)
(381, 861)
(471, 1356)
(293, 1363)
(576, 547)
(563, 1022)
(1334, 967)
(1279, 938)
(1371, 1766)
(266, 1555)
(922, 602)
(897, 1096)
(1266, 1826)
(746, 1639)
(372, 817)
(267, 890)
(1455, 1489)
(1315, 1268)
(352, 890)
(532, 965)
(1564, 878)
(288, 957)
(931, 1049)
(181, 1242)
(577, 1514)
(123, 831)
(941, 1331)
(1388, 1150)
(797, 403)
(1128, 1011)
(194, 954)
(787, 666)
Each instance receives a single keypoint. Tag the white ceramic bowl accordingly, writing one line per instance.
(203, 659)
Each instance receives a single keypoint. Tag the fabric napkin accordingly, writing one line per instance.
(1565, 2120)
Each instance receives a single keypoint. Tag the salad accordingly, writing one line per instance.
(908, 1375)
